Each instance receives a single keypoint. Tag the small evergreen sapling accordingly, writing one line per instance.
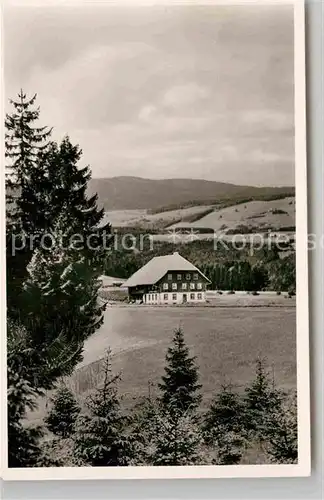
(101, 437)
(179, 385)
(177, 440)
(282, 432)
(260, 400)
(224, 427)
(63, 414)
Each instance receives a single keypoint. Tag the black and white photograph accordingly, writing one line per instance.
(156, 240)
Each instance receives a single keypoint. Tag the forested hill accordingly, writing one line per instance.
(130, 193)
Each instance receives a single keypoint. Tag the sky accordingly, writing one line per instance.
(162, 91)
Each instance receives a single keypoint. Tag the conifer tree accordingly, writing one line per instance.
(178, 439)
(101, 437)
(223, 426)
(282, 432)
(67, 193)
(24, 142)
(30, 372)
(60, 295)
(179, 385)
(63, 414)
(63, 277)
(261, 399)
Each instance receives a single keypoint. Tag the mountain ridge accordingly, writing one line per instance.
(131, 193)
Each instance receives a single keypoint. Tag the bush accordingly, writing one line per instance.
(278, 211)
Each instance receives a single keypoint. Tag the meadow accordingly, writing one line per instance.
(225, 340)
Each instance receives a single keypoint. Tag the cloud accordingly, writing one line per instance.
(185, 95)
(147, 113)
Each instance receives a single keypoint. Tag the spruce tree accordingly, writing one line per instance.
(60, 296)
(30, 372)
(261, 399)
(62, 282)
(63, 414)
(24, 143)
(179, 387)
(67, 193)
(178, 439)
(223, 426)
(101, 437)
(282, 432)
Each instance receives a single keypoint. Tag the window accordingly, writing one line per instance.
(174, 296)
(174, 286)
(192, 296)
(195, 276)
(192, 286)
(188, 276)
(199, 296)
(184, 286)
(165, 286)
(199, 286)
(149, 297)
(170, 277)
(156, 296)
(165, 296)
(179, 277)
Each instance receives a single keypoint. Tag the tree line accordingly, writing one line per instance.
(230, 270)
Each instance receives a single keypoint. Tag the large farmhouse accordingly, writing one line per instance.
(168, 279)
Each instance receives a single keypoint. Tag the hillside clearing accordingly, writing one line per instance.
(276, 214)
(254, 214)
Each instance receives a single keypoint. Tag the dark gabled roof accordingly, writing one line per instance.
(157, 267)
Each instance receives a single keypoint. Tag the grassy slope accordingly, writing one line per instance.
(253, 214)
(226, 341)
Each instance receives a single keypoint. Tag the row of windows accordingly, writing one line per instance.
(184, 286)
(174, 296)
(154, 296)
(195, 276)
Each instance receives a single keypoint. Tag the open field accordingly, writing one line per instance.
(144, 220)
(226, 341)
